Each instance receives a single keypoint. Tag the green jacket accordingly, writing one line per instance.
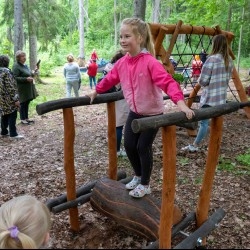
(26, 89)
(8, 92)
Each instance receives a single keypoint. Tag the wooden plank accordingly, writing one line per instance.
(211, 163)
(168, 186)
(69, 137)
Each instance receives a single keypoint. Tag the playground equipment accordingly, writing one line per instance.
(162, 220)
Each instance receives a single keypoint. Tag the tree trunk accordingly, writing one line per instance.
(115, 23)
(18, 25)
(240, 39)
(156, 11)
(81, 29)
(140, 9)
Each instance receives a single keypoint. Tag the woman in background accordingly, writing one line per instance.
(72, 75)
(25, 84)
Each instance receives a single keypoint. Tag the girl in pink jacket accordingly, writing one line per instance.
(142, 78)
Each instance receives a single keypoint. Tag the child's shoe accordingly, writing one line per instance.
(140, 191)
(134, 183)
(190, 148)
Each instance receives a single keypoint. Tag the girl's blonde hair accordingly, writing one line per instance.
(24, 223)
(139, 27)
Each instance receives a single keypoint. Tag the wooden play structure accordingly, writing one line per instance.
(157, 220)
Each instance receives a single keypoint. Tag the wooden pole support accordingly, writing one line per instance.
(168, 186)
(69, 137)
(112, 172)
(212, 160)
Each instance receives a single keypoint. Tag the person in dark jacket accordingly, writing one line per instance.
(9, 100)
(25, 84)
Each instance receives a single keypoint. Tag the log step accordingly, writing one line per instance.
(142, 215)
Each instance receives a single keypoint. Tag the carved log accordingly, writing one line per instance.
(157, 121)
(84, 189)
(139, 215)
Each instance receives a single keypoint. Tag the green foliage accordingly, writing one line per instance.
(178, 77)
(244, 159)
(241, 166)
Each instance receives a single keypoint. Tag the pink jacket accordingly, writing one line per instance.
(142, 79)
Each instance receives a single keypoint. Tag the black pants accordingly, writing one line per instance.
(24, 110)
(138, 147)
(9, 121)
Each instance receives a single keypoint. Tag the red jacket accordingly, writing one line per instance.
(92, 69)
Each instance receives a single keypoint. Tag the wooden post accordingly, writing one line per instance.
(69, 137)
(168, 186)
(240, 90)
(212, 160)
(112, 141)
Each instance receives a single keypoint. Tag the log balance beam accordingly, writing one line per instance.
(168, 122)
(167, 207)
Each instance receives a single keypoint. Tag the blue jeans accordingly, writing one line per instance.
(72, 85)
(202, 132)
(203, 129)
(92, 79)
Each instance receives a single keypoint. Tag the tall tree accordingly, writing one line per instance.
(156, 11)
(140, 9)
(18, 25)
(81, 29)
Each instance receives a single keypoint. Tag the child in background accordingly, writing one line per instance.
(92, 72)
(142, 78)
(24, 223)
(121, 107)
(186, 75)
(215, 75)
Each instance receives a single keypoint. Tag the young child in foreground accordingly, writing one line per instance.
(142, 79)
(24, 223)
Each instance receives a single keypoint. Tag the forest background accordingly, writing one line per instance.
(51, 29)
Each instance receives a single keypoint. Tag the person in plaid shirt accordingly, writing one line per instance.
(215, 75)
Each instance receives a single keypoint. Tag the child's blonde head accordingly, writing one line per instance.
(24, 223)
(140, 28)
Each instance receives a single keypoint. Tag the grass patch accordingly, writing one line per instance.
(241, 165)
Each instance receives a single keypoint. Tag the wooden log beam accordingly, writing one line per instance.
(169, 119)
(77, 101)
(84, 189)
(69, 137)
(203, 231)
(80, 200)
(211, 163)
(112, 170)
(187, 29)
(176, 229)
(158, 41)
(168, 186)
(139, 215)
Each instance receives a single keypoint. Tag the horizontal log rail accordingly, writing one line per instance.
(176, 118)
(71, 102)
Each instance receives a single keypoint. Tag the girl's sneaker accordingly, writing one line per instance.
(134, 183)
(140, 191)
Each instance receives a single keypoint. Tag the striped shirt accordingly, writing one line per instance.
(214, 79)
